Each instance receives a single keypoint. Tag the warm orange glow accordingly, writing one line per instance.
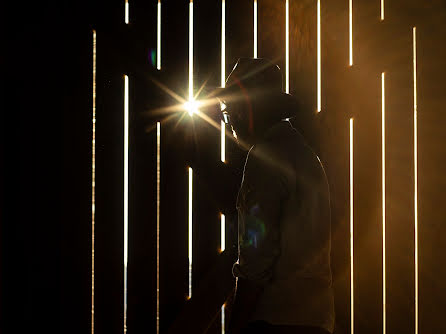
(383, 159)
(287, 47)
(350, 31)
(415, 154)
(93, 180)
(319, 55)
(255, 28)
(158, 202)
(351, 231)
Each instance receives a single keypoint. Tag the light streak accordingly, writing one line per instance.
(158, 201)
(126, 191)
(383, 159)
(223, 43)
(415, 153)
(158, 37)
(126, 11)
(223, 319)
(191, 50)
(318, 55)
(287, 47)
(351, 231)
(190, 232)
(93, 180)
(350, 31)
(222, 234)
(223, 137)
(255, 28)
(382, 10)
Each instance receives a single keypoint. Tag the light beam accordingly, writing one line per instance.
(415, 154)
(158, 36)
(158, 202)
(351, 231)
(255, 28)
(383, 160)
(93, 180)
(350, 31)
(223, 42)
(287, 47)
(126, 18)
(190, 232)
(319, 55)
(126, 191)
(382, 10)
(191, 50)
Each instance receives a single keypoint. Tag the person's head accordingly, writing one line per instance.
(253, 97)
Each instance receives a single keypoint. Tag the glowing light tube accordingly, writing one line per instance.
(383, 159)
(126, 191)
(222, 248)
(287, 47)
(318, 55)
(255, 28)
(350, 31)
(222, 139)
(158, 37)
(191, 50)
(158, 201)
(223, 319)
(382, 10)
(223, 43)
(126, 11)
(415, 156)
(351, 231)
(93, 180)
(190, 232)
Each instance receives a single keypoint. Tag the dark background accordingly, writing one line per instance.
(46, 108)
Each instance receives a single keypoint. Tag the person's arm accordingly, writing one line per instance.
(259, 204)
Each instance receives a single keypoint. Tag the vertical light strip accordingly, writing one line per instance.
(287, 46)
(222, 248)
(158, 201)
(190, 232)
(415, 154)
(93, 180)
(126, 191)
(318, 55)
(351, 231)
(126, 11)
(158, 37)
(191, 50)
(382, 10)
(222, 139)
(223, 43)
(255, 28)
(350, 31)
(383, 159)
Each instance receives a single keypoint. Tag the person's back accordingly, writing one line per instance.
(299, 290)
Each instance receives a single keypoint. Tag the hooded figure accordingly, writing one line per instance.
(284, 281)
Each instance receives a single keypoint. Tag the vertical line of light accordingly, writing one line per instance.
(158, 37)
(190, 232)
(287, 46)
(126, 11)
(222, 139)
(223, 319)
(222, 234)
(318, 55)
(382, 10)
(350, 31)
(126, 190)
(255, 28)
(415, 153)
(223, 43)
(191, 50)
(93, 180)
(351, 231)
(158, 201)
(383, 159)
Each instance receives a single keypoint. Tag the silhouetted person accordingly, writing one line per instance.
(284, 281)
